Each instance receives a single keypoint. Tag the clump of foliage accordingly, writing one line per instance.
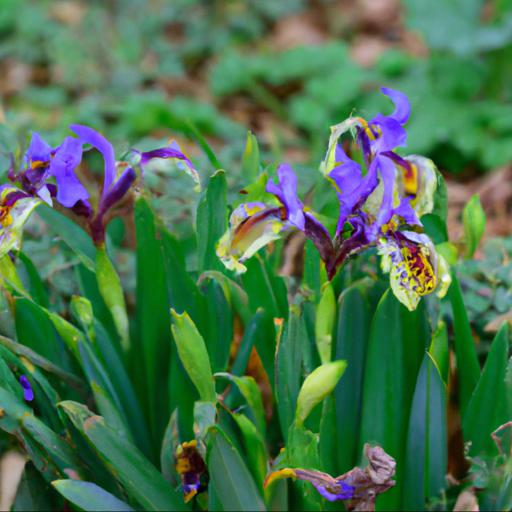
(207, 380)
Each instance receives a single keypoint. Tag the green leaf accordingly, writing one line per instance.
(395, 349)
(465, 353)
(71, 234)
(439, 351)
(435, 228)
(35, 330)
(111, 290)
(193, 355)
(288, 367)
(229, 476)
(317, 386)
(302, 452)
(252, 395)
(250, 159)
(151, 348)
(89, 496)
(36, 286)
(264, 289)
(325, 315)
(41, 362)
(255, 450)
(260, 331)
(34, 493)
(139, 477)
(473, 217)
(354, 321)
(489, 407)
(426, 452)
(219, 325)
(212, 222)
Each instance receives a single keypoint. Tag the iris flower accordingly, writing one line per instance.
(49, 173)
(255, 224)
(380, 205)
(358, 487)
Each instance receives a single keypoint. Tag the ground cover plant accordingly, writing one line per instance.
(287, 351)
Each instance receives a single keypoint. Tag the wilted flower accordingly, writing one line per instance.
(15, 208)
(380, 206)
(28, 392)
(190, 466)
(358, 487)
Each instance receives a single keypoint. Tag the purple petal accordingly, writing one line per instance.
(171, 151)
(89, 136)
(346, 493)
(392, 134)
(117, 192)
(67, 157)
(38, 150)
(387, 173)
(402, 105)
(286, 192)
(28, 393)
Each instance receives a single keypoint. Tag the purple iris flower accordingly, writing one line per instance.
(41, 162)
(379, 205)
(28, 393)
(114, 188)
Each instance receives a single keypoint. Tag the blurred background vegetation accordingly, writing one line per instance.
(144, 70)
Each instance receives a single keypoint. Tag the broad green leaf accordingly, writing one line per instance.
(35, 330)
(426, 452)
(89, 496)
(151, 350)
(250, 159)
(389, 380)
(111, 290)
(264, 289)
(439, 351)
(58, 451)
(212, 221)
(354, 321)
(489, 404)
(325, 315)
(473, 217)
(183, 293)
(36, 286)
(232, 481)
(435, 228)
(193, 355)
(317, 386)
(288, 367)
(139, 477)
(71, 234)
(468, 367)
(218, 321)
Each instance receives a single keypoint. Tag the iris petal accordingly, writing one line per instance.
(89, 136)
